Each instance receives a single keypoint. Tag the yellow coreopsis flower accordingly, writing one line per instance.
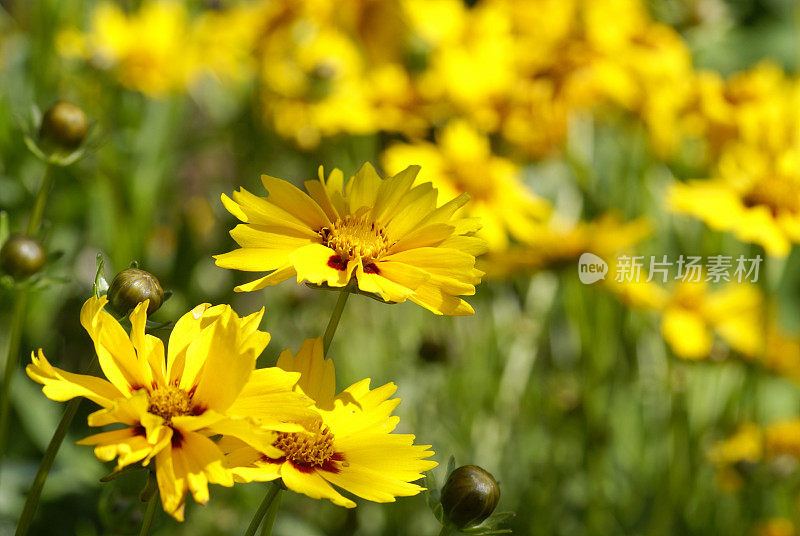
(388, 236)
(351, 445)
(692, 314)
(755, 196)
(462, 162)
(556, 244)
(207, 385)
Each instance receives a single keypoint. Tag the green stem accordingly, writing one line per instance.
(41, 200)
(272, 513)
(150, 513)
(333, 323)
(18, 314)
(12, 358)
(263, 508)
(445, 530)
(32, 501)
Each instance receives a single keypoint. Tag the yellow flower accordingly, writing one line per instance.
(351, 445)
(783, 437)
(756, 196)
(462, 162)
(553, 244)
(160, 49)
(745, 445)
(692, 314)
(388, 235)
(206, 386)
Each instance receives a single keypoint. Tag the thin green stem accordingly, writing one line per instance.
(32, 501)
(263, 508)
(18, 314)
(333, 323)
(150, 513)
(272, 513)
(445, 530)
(12, 358)
(41, 200)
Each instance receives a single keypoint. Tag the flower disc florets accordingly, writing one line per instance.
(169, 401)
(308, 450)
(353, 237)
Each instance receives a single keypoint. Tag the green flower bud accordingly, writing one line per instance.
(22, 256)
(64, 126)
(131, 287)
(469, 496)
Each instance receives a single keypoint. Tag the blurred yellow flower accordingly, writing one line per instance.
(386, 234)
(692, 313)
(755, 196)
(160, 49)
(555, 244)
(350, 445)
(207, 385)
(462, 162)
(745, 445)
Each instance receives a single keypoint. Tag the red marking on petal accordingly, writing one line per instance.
(139, 430)
(307, 469)
(337, 263)
(198, 410)
(177, 439)
(371, 268)
(330, 466)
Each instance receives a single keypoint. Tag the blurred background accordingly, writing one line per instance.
(615, 127)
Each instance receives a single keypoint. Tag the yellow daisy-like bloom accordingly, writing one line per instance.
(554, 245)
(206, 386)
(756, 196)
(350, 445)
(387, 235)
(692, 314)
(462, 162)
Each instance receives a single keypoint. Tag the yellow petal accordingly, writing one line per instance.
(122, 410)
(61, 385)
(317, 374)
(149, 349)
(364, 187)
(391, 191)
(114, 349)
(371, 485)
(311, 264)
(296, 202)
(281, 274)
(686, 333)
(432, 298)
(224, 362)
(312, 484)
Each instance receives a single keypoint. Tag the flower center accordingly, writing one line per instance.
(308, 450)
(780, 194)
(168, 402)
(355, 237)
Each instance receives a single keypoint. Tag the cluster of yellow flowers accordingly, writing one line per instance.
(161, 49)
(751, 124)
(203, 410)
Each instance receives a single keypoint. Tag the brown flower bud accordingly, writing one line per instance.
(131, 287)
(64, 127)
(469, 496)
(22, 256)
